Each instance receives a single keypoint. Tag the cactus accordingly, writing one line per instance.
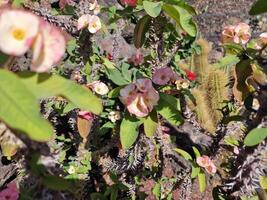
(212, 91)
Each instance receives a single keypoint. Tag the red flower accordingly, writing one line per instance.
(191, 75)
(131, 3)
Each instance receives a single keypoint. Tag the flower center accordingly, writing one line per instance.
(18, 34)
(94, 25)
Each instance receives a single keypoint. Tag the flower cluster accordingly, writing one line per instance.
(139, 97)
(237, 34)
(114, 116)
(91, 22)
(262, 41)
(137, 58)
(207, 164)
(21, 30)
(98, 87)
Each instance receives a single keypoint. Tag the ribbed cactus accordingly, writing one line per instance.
(212, 91)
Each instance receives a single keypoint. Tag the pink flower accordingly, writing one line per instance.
(207, 164)
(261, 41)
(162, 76)
(131, 3)
(203, 161)
(18, 29)
(3, 2)
(48, 49)
(137, 58)
(93, 5)
(140, 97)
(86, 115)
(99, 87)
(10, 193)
(237, 34)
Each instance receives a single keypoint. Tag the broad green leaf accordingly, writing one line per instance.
(227, 61)
(127, 74)
(259, 7)
(182, 17)
(183, 153)
(152, 8)
(17, 3)
(202, 181)
(19, 108)
(263, 182)
(255, 136)
(195, 171)
(168, 107)
(116, 77)
(151, 124)
(71, 46)
(157, 190)
(56, 183)
(46, 85)
(140, 30)
(129, 131)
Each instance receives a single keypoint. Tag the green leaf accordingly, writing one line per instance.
(259, 7)
(255, 136)
(152, 8)
(71, 46)
(127, 74)
(115, 92)
(195, 171)
(56, 183)
(168, 107)
(227, 61)
(183, 153)
(3, 59)
(263, 182)
(46, 85)
(202, 181)
(19, 108)
(17, 3)
(129, 131)
(182, 17)
(157, 190)
(196, 151)
(140, 31)
(151, 124)
(116, 77)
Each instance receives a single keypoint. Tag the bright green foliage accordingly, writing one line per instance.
(129, 130)
(19, 108)
(255, 136)
(152, 8)
(151, 124)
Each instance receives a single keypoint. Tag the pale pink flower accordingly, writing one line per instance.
(242, 33)
(137, 58)
(236, 150)
(97, 9)
(4, 2)
(237, 34)
(10, 193)
(93, 5)
(228, 34)
(114, 116)
(83, 21)
(86, 115)
(207, 164)
(140, 97)
(211, 169)
(162, 76)
(94, 24)
(48, 49)
(99, 87)
(261, 41)
(203, 161)
(18, 30)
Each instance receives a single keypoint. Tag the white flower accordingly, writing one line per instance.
(83, 21)
(71, 170)
(114, 116)
(93, 5)
(97, 9)
(48, 49)
(99, 87)
(94, 24)
(18, 30)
